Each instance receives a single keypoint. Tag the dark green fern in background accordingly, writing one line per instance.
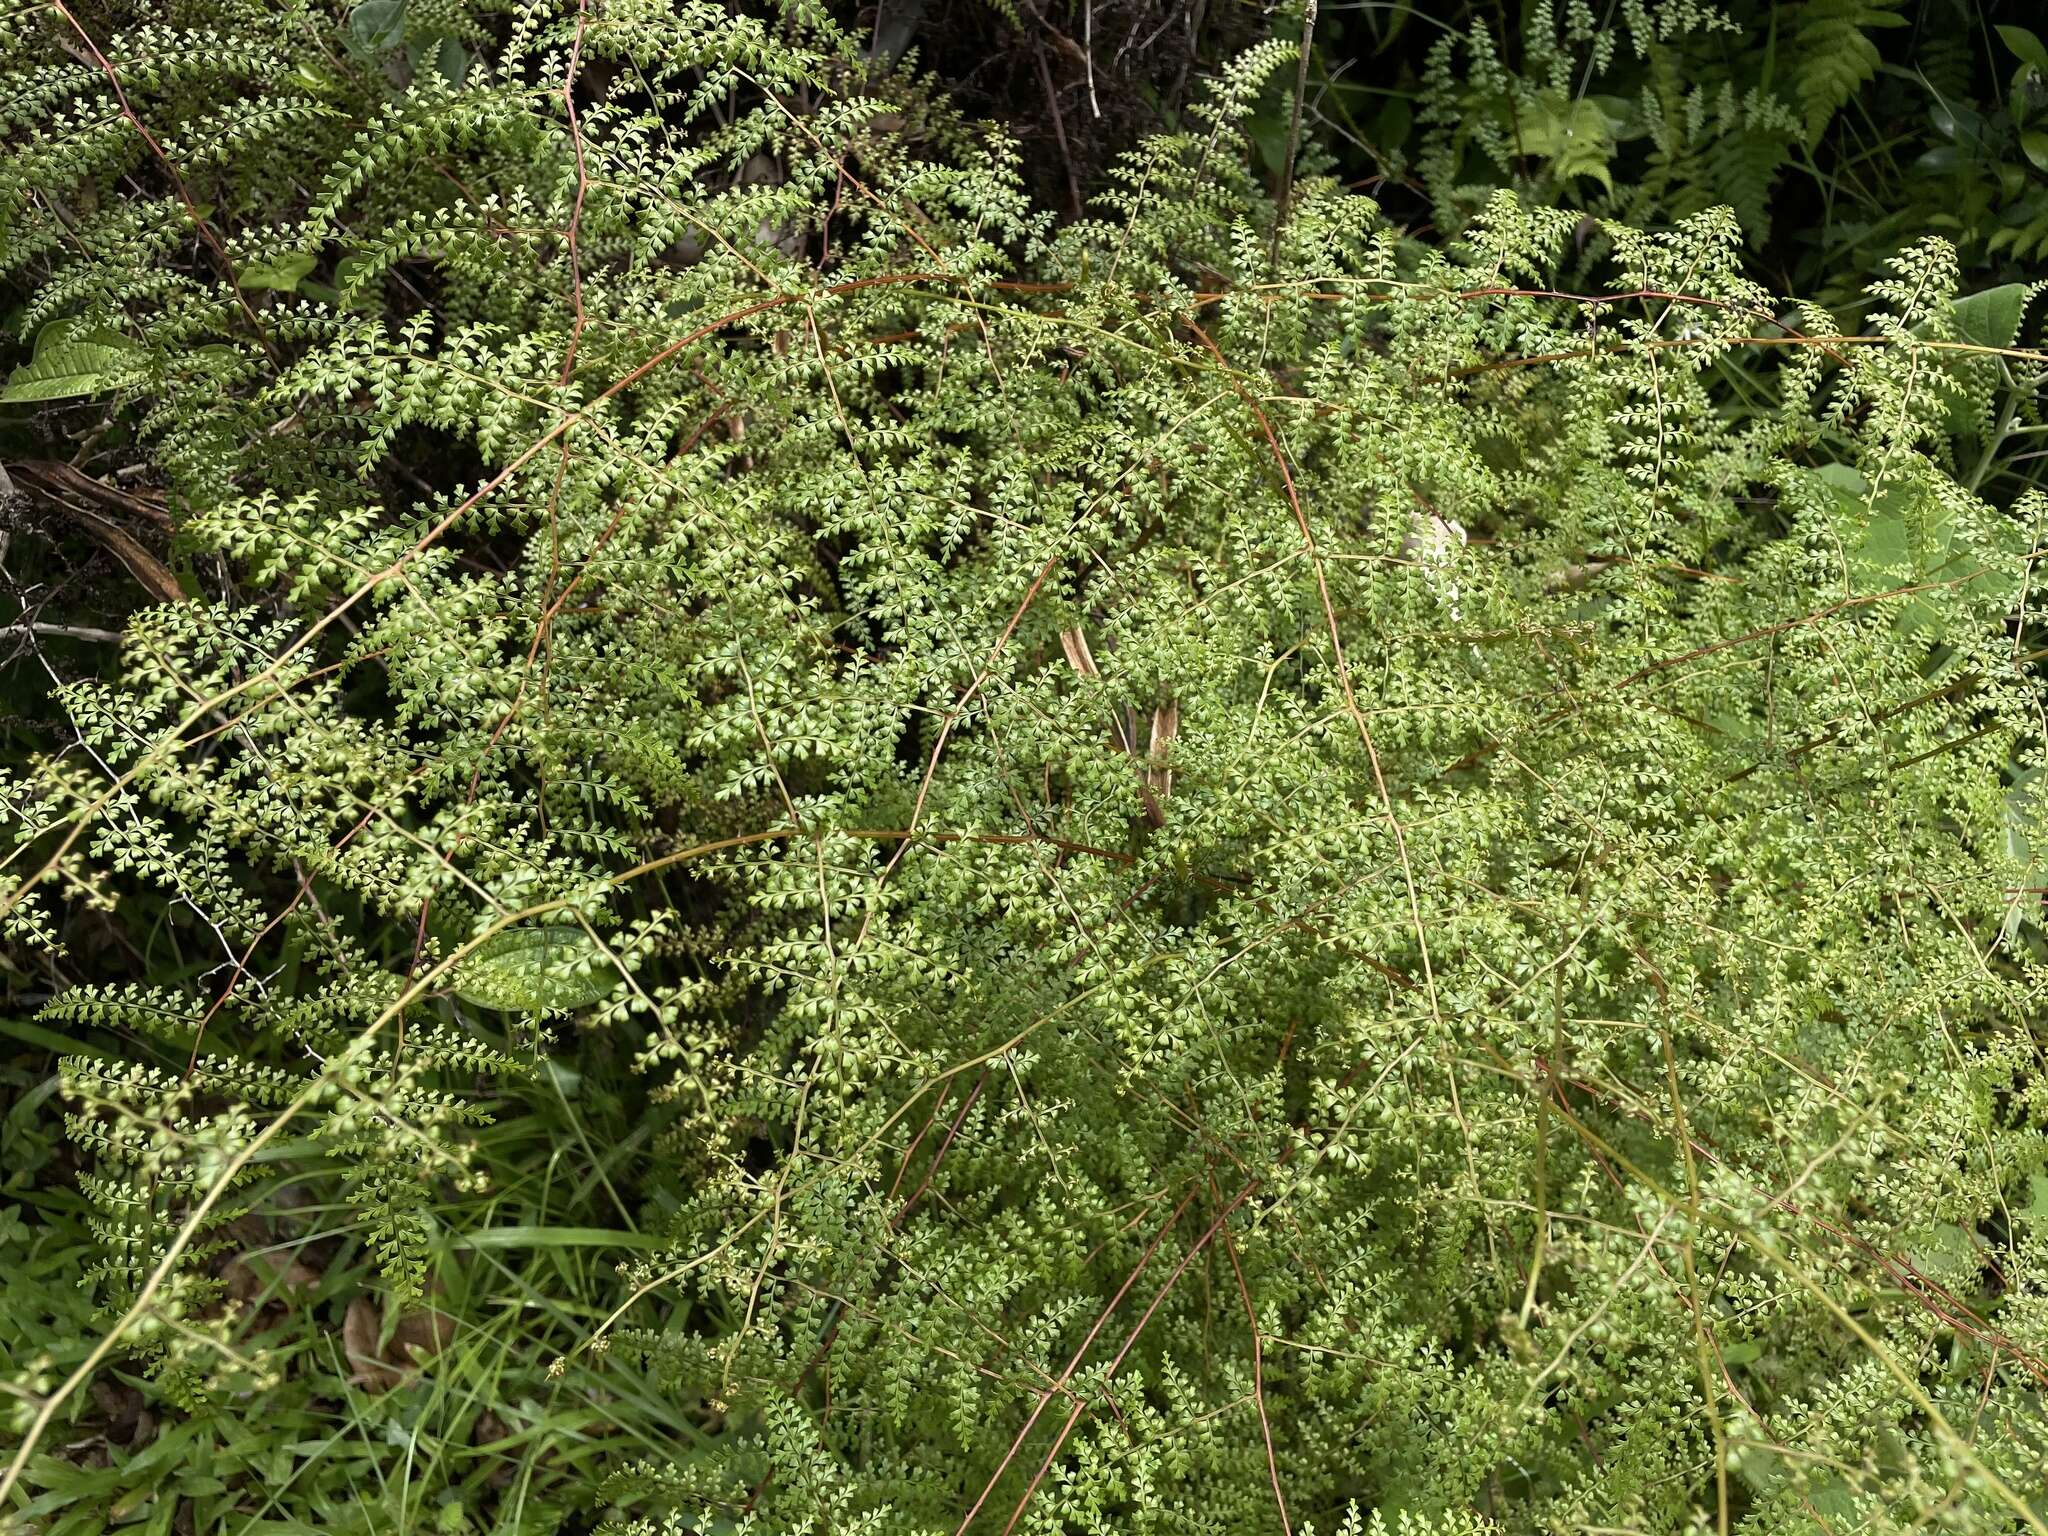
(716, 825)
(1838, 131)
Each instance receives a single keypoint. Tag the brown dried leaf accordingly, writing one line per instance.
(1075, 644)
(254, 1276)
(1165, 726)
(378, 1363)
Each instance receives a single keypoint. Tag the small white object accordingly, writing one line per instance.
(1434, 543)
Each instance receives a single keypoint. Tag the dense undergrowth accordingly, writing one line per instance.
(1837, 131)
(713, 829)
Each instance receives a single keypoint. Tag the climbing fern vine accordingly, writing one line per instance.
(1235, 873)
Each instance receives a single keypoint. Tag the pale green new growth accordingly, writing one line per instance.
(1255, 881)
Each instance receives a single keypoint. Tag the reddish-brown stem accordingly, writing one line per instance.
(1251, 1314)
(1066, 1375)
(1081, 1403)
(199, 223)
(574, 232)
(938, 1157)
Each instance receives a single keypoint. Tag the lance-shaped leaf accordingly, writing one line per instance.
(68, 362)
(536, 970)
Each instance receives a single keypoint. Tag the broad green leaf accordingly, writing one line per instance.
(536, 970)
(1987, 319)
(2035, 1212)
(2027, 46)
(377, 24)
(1991, 318)
(68, 362)
(1946, 1254)
(1269, 130)
(1899, 539)
(283, 275)
(452, 60)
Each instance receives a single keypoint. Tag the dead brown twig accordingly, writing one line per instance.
(88, 503)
